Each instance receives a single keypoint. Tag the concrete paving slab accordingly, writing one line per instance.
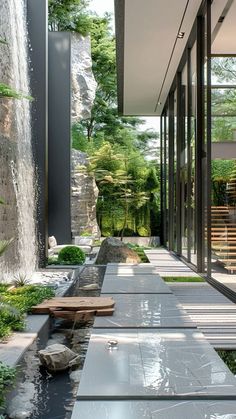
(134, 285)
(145, 363)
(145, 310)
(154, 410)
(11, 352)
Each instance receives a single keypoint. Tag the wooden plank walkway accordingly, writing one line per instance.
(213, 312)
(167, 264)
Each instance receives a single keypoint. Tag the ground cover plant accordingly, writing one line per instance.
(16, 302)
(7, 376)
(183, 279)
(140, 251)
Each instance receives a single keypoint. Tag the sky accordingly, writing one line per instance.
(101, 7)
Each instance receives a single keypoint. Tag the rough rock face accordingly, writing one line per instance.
(57, 357)
(83, 82)
(113, 250)
(84, 196)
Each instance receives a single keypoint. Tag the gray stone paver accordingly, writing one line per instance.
(155, 409)
(177, 365)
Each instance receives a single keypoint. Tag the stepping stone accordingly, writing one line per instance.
(134, 285)
(145, 310)
(154, 410)
(169, 363)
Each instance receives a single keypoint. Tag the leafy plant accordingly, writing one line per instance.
(25, 297)
(52, 260)
(21, 280)
(10, 319)
(7, 376)
(86, 234)
(71, 255)
(8, 92)
(4, 244)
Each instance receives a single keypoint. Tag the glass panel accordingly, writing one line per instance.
(184, 166)
(175, 169)
(223, 211)
(192, 156)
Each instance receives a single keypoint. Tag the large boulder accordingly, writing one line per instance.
(114, 250)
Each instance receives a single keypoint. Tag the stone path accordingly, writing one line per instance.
(166, 264)
(148, 363)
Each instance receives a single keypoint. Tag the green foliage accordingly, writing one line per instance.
(21, 280)
(52, 260)
(8, 92)
(7, 376)
(144, 231)
(69, 15)
(229, 358)
(128, 184)
(14, 303)
(23, 298)
(221, 170)
(71, 255)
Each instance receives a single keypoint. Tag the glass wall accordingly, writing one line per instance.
(184, 163)
(223, 234)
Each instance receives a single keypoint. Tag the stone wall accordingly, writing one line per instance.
(8, 211)
(83, 197)
(82, 79)
(84, 191)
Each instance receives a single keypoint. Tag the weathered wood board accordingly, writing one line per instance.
(74, 304)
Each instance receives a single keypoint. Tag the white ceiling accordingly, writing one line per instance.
(151, 52)
(225, 41)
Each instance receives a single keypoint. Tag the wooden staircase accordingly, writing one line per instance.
(223, 230)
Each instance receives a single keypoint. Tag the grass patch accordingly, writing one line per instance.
(183, 279)
(229, 358)
(16, 302)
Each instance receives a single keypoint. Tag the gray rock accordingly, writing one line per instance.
(57, 357)
(83, 82)
(113, 250)
(75, 376)
(90, 287)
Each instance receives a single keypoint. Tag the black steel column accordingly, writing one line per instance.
(59, 148)
(208, 137)
(37, 11)
(161, 178)
(199, 198)
(179, 139)
(164, 181)
(171, 173)
(189, 156)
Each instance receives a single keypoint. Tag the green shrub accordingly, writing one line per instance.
(52, 260)
(71, 255)
(144, 231)
(7, 376)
